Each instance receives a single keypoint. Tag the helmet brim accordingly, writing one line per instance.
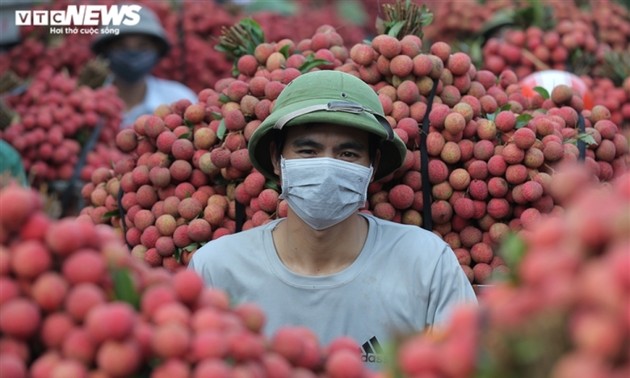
(393, 149)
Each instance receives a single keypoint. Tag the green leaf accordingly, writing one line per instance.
(542, 92)
(311, 63)
(190, 247)
(240, 39)
(110, 214)
(124, 289)
(403, 18)
(505, 107)
(522, 120)
(512, 249)
(426, 18)
(235, 72)
(586, 138)
(224, 98)
(535, 13)
(285, 50)
(179, 252)
(396, 28)
(221, 130)
(254, 29)
(272, 184)
(185, 136)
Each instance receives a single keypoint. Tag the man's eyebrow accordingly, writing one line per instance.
(305, 142)
(352, 145)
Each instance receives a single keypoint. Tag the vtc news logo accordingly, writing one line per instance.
(81, 15)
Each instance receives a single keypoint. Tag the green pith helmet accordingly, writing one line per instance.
(149, 25)
(332, 97)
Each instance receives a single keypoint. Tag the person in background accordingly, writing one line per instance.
(327, 265)
(11, 167)
(132, 54)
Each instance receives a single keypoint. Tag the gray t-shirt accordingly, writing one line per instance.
(405, 279)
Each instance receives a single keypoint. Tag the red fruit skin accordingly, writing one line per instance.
(344, 364)
(49, 291)
(276, 366)
(119, 358)
(12, 366)
(111, 321)
(17, 205)
(252, 316)
(30, 259)
(401, 196)
(208, 344)
(188, 286)
(171, 340)
(20, 318)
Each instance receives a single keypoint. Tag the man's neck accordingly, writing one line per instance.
(311, 252)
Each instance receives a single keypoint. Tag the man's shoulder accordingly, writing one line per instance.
(408, 241)
(409, 230)
(232, 245)
(171, 88)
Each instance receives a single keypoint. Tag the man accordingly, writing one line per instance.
(132, 53)
(327, 265)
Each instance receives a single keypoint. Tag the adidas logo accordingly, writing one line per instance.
(371, 351)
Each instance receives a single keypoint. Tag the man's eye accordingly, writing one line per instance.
(306, 152)
(349, 154)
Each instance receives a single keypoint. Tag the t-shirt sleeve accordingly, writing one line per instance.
(449, 288)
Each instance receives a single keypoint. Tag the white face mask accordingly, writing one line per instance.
(324, 191)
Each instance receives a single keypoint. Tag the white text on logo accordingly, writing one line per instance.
(81, 15)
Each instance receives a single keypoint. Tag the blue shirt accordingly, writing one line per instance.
(159, 92)
(405, 280)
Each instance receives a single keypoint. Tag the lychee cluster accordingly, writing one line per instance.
(579, 42)
(193, 28)
(459, 20)
(75, 303)
(491, 149)
(57, 117)
(38, 49)
(577, 33)
(190, 167)
(203, 24)
(562, 313)
(158, 195)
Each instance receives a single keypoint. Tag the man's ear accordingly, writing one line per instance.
(275, 157)
(375, 163)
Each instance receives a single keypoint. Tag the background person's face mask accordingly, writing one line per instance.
(132, 65)
(324, 191)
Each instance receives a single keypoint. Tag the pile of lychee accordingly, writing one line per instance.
(491, 150)
(75, 303)
(562, 312)
(580, 42)
(38, 50)
(189, 171)
(56, 119)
